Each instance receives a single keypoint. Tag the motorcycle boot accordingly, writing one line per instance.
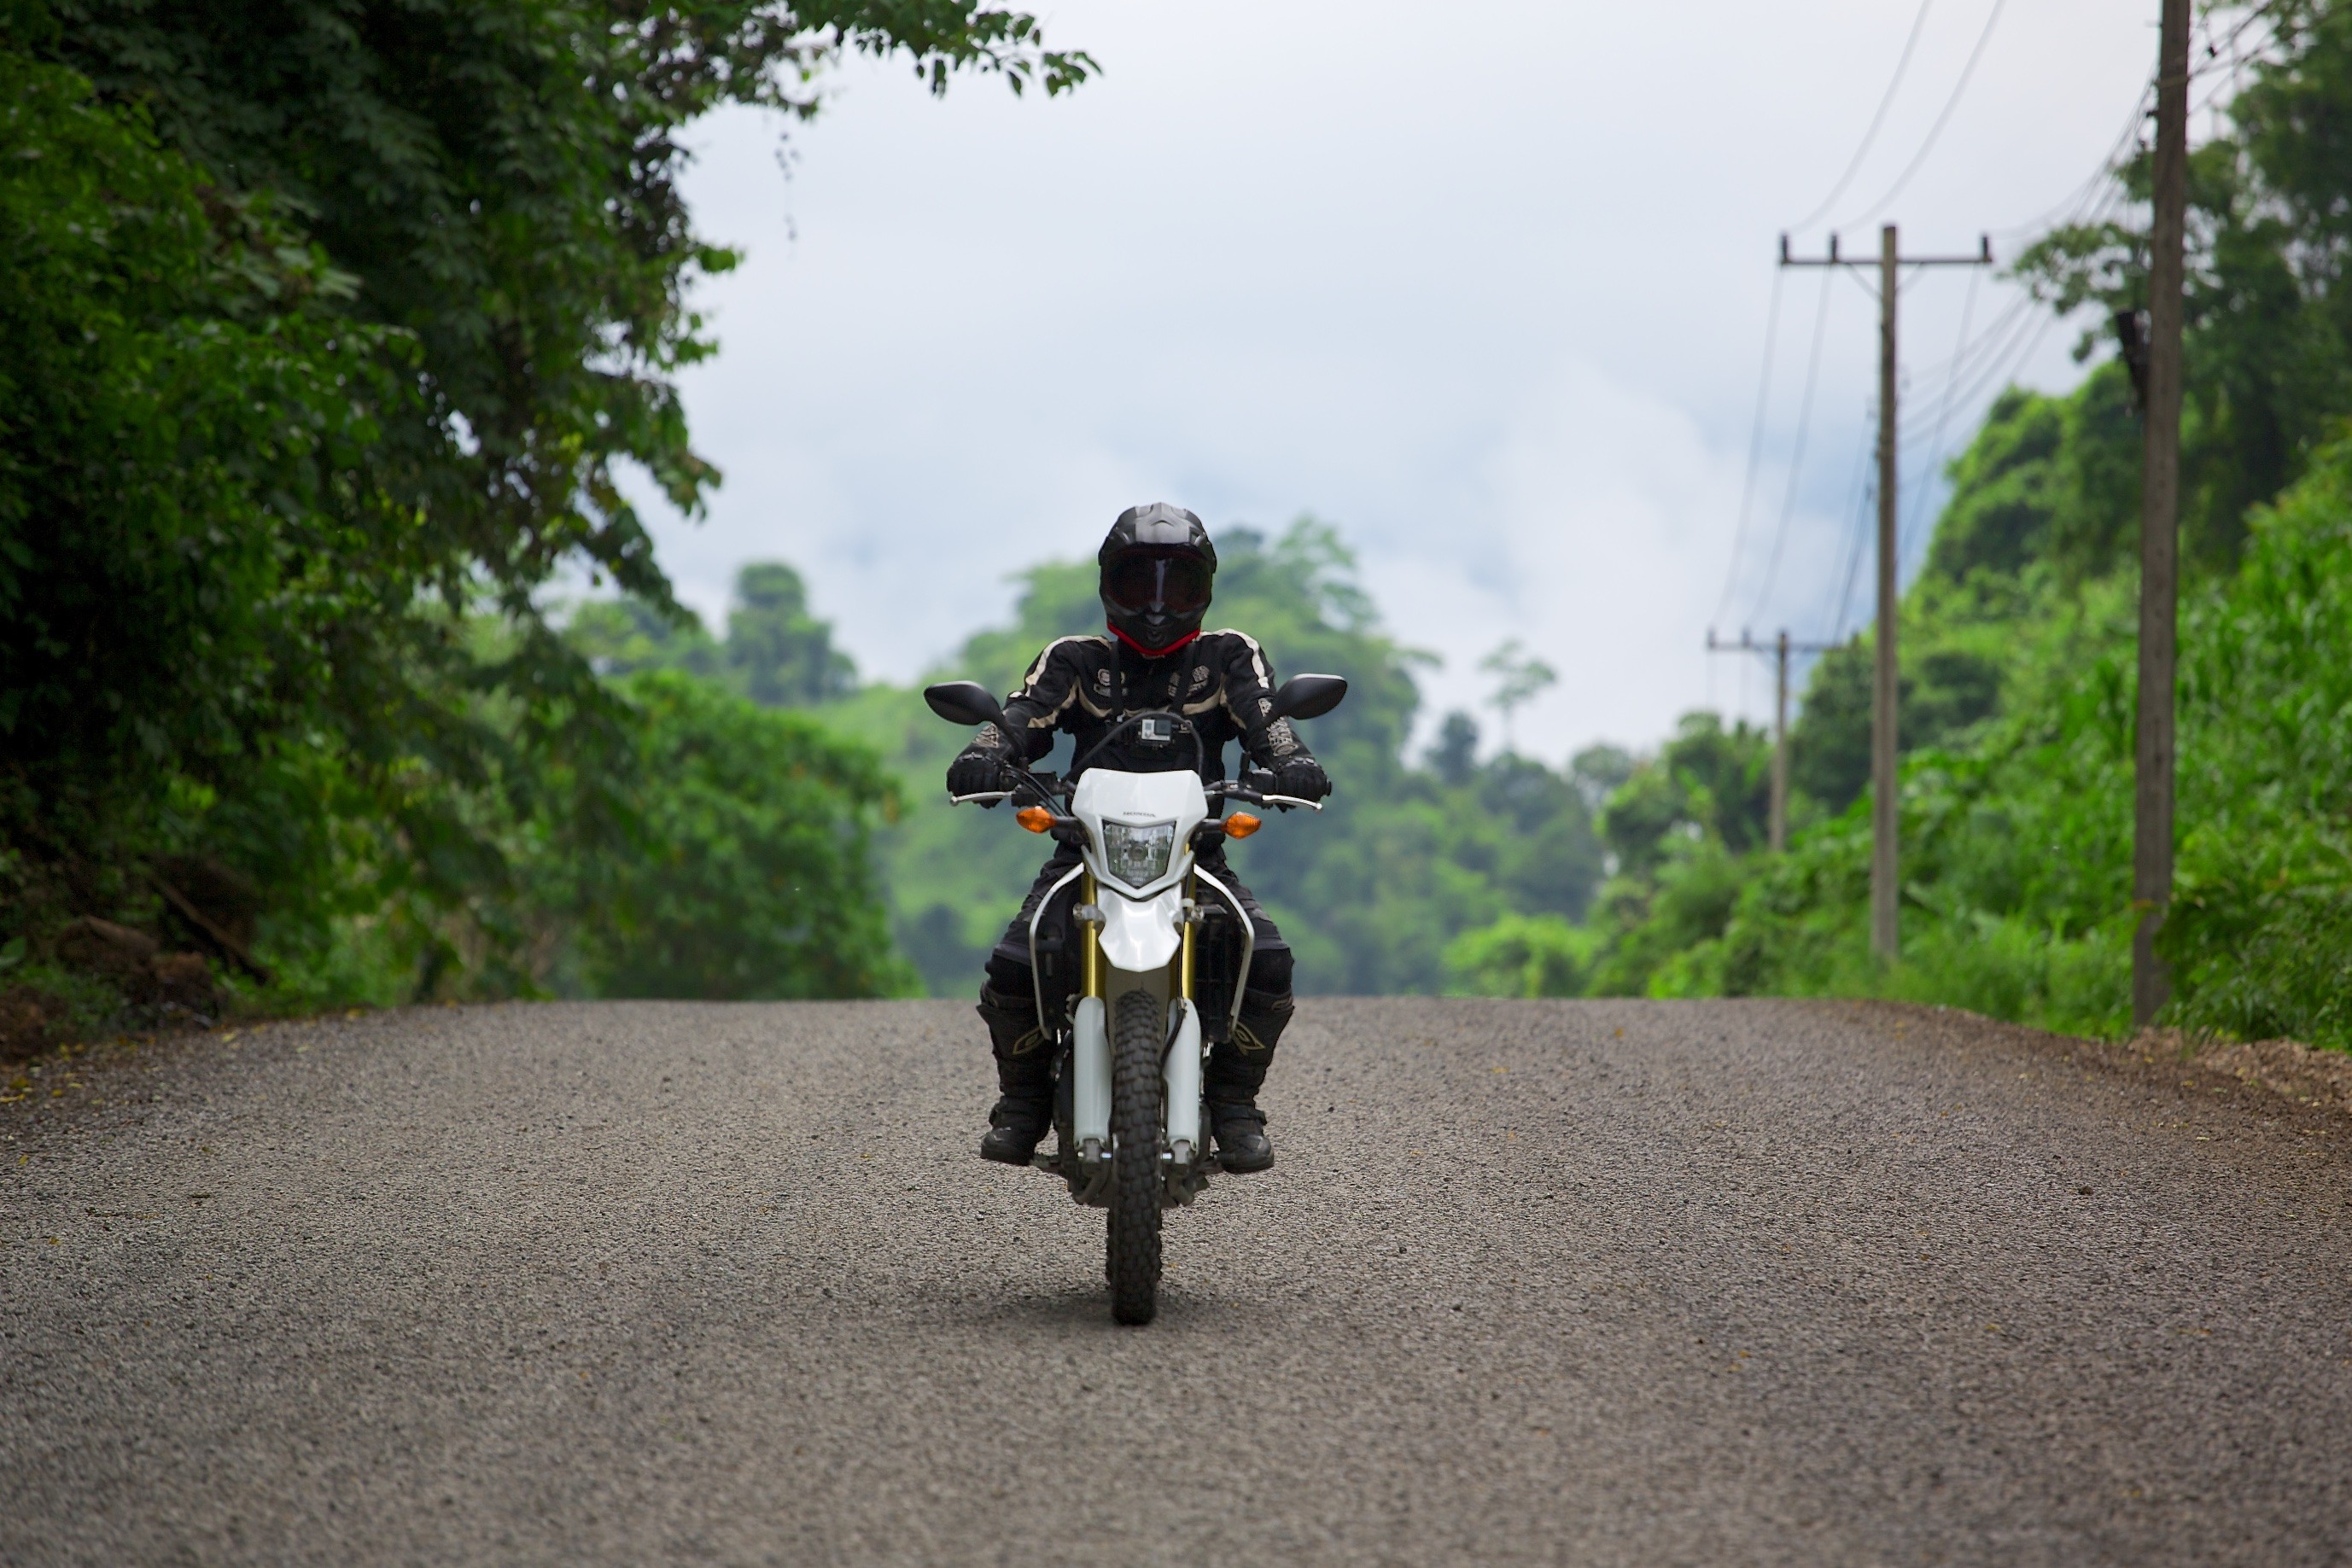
(1235, 1071)
(1025, 1078)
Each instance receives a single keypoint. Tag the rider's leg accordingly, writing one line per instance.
(1025, 1063)
(1008, 1004)
(1237, 1066)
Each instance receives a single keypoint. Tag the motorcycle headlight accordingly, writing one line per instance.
(1137, 856)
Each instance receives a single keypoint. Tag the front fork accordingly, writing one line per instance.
(1090, 1043)
(1090, 1035)
(1181, 1067)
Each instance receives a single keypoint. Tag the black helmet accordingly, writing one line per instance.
(1157, 566)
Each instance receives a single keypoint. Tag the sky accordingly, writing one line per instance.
(1486, 287)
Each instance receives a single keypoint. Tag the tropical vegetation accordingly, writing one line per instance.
(324, 331)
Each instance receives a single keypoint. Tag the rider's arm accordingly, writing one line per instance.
(1048, 696)
(1249, 701)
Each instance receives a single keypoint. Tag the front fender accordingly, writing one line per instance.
(1140, 934)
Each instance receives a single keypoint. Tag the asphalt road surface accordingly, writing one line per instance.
(1531, 1282)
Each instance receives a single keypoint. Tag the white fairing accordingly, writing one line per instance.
(1139, 936)
(1090, 1083)
(1139, 800)
(1183, 1075)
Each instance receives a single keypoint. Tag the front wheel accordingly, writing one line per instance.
(1138, 1042)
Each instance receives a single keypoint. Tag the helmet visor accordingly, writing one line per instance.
(1139, 580)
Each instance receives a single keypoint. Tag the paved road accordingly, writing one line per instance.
(1534, 1283)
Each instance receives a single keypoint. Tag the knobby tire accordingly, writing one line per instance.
(1138, 1041)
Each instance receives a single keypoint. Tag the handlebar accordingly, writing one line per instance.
(1228, 790)
(1221, 789)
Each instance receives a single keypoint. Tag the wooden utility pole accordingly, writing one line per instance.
(1886, 804)
(1885, 889)
(1779, 835)
(2160, 521)
(1780, 651)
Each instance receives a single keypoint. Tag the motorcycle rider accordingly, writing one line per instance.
(1157, 568)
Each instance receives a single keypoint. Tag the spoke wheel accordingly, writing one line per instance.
(1138, 1039)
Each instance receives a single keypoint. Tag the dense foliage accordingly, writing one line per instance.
(775, 651)
(2019, 663)
(323, 328)
(2018, 841)
(749, 871)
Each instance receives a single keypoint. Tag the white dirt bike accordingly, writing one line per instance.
(1129, 1120)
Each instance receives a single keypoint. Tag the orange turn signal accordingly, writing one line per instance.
(1241, 825)
(1036, 818)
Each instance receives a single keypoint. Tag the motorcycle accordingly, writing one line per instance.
(1130, 1046)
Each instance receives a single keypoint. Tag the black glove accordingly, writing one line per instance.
(980, 767)
(1301, 777)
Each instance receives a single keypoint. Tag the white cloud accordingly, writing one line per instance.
(1488, 295)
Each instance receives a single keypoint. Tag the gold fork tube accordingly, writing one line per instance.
(1090, 964)
(1184, 978)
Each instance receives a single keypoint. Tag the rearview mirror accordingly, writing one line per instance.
(963, 702)
(1310, 696)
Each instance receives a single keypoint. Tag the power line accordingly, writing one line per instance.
(1998, 369)
(2213, 46)
(2004, 345)
(2013, 336)
(1968, 350)
(1910, 44)
(2070, 205)
(1853, 560)
(1754, 446)
(1942, 119)
(1855, 495)
(1943, 412)
(1796, 457)
(1991, 350)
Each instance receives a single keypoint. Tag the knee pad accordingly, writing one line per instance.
(1267, 1006)
(1010, 1014)
(1009, 976)
(1270, 972)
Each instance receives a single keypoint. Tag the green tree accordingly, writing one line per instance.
(781, 656)
(1519, 678)
(623, 636)
(776, 653)
(748, 871)
(1454, 756)
(2267, 352)
(1521, 955)
(326, 326)
(191, 516)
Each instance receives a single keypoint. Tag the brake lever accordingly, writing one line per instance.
(1285, 803)
(1046, 793)
(986, 798)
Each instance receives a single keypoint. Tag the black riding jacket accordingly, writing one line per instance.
(1220, 681)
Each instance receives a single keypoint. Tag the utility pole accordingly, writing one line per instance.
(1779, 650)
(2160, 522)
(1886, 891)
